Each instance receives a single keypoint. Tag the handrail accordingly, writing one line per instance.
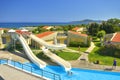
(44, 73)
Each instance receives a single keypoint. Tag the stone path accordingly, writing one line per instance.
(84, 55)
(10, 73)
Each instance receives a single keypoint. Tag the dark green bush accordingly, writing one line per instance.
(109, 51)
(88, 42)
(77, 44)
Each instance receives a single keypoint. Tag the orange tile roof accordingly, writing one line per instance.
(44, 34)
(85, 35)
(18, 31)
(76, 28)
(21, 32)
(116, 38)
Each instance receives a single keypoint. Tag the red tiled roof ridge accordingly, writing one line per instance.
(21, 32)
(116, 37)
(78, 33)
(41, 35)
(1, 28)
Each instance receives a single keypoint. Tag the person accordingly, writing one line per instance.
(79, 48)
(97, 62)
(69, 73)
(114, 64)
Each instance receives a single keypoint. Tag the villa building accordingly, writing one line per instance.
(58, 37)
(4, 38)
(78, 29)
(77, 37)
(48, 36)
(112, 39)
(1, 32)
(62, 37)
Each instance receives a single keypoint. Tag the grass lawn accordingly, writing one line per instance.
(64, 55)
(83, 49)
(68, 55)
(104, 59)
(41, 55)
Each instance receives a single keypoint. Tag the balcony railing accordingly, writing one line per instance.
(30, 69)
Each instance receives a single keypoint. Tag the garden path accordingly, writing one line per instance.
(84, 55)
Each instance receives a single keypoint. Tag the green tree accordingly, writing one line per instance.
(39, 30)
(113, 21)
(93, 28)
(111, 25)
(5, 31)
(100, 35)
(52, 29)
(70, 27)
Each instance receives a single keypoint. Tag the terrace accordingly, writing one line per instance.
(8, 73)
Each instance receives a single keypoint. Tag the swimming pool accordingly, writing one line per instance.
(77, 74)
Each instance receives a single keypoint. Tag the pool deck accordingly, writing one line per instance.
(17, 56)
(75, 63)
(10, 73)
(86, 65)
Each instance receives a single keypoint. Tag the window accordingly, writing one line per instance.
(3, 40)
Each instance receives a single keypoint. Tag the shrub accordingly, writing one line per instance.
(88, 42)
(74, 44)
(109, 51)
(77, 44)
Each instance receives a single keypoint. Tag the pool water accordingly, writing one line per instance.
(77, 74)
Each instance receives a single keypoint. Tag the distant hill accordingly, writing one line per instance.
(86, 21)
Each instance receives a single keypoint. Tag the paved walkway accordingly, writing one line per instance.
(10, 73)
(86, 65)
(70, 50)
(17, 56)
(84, 55)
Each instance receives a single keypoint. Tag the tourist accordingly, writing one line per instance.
(97, 62)
(79, 48)
(114, 64)
(69, 73)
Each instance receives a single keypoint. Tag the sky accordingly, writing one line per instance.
(58, 10)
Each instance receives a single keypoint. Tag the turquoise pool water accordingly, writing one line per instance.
(77, 74)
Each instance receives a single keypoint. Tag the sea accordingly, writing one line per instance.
(19, 25)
